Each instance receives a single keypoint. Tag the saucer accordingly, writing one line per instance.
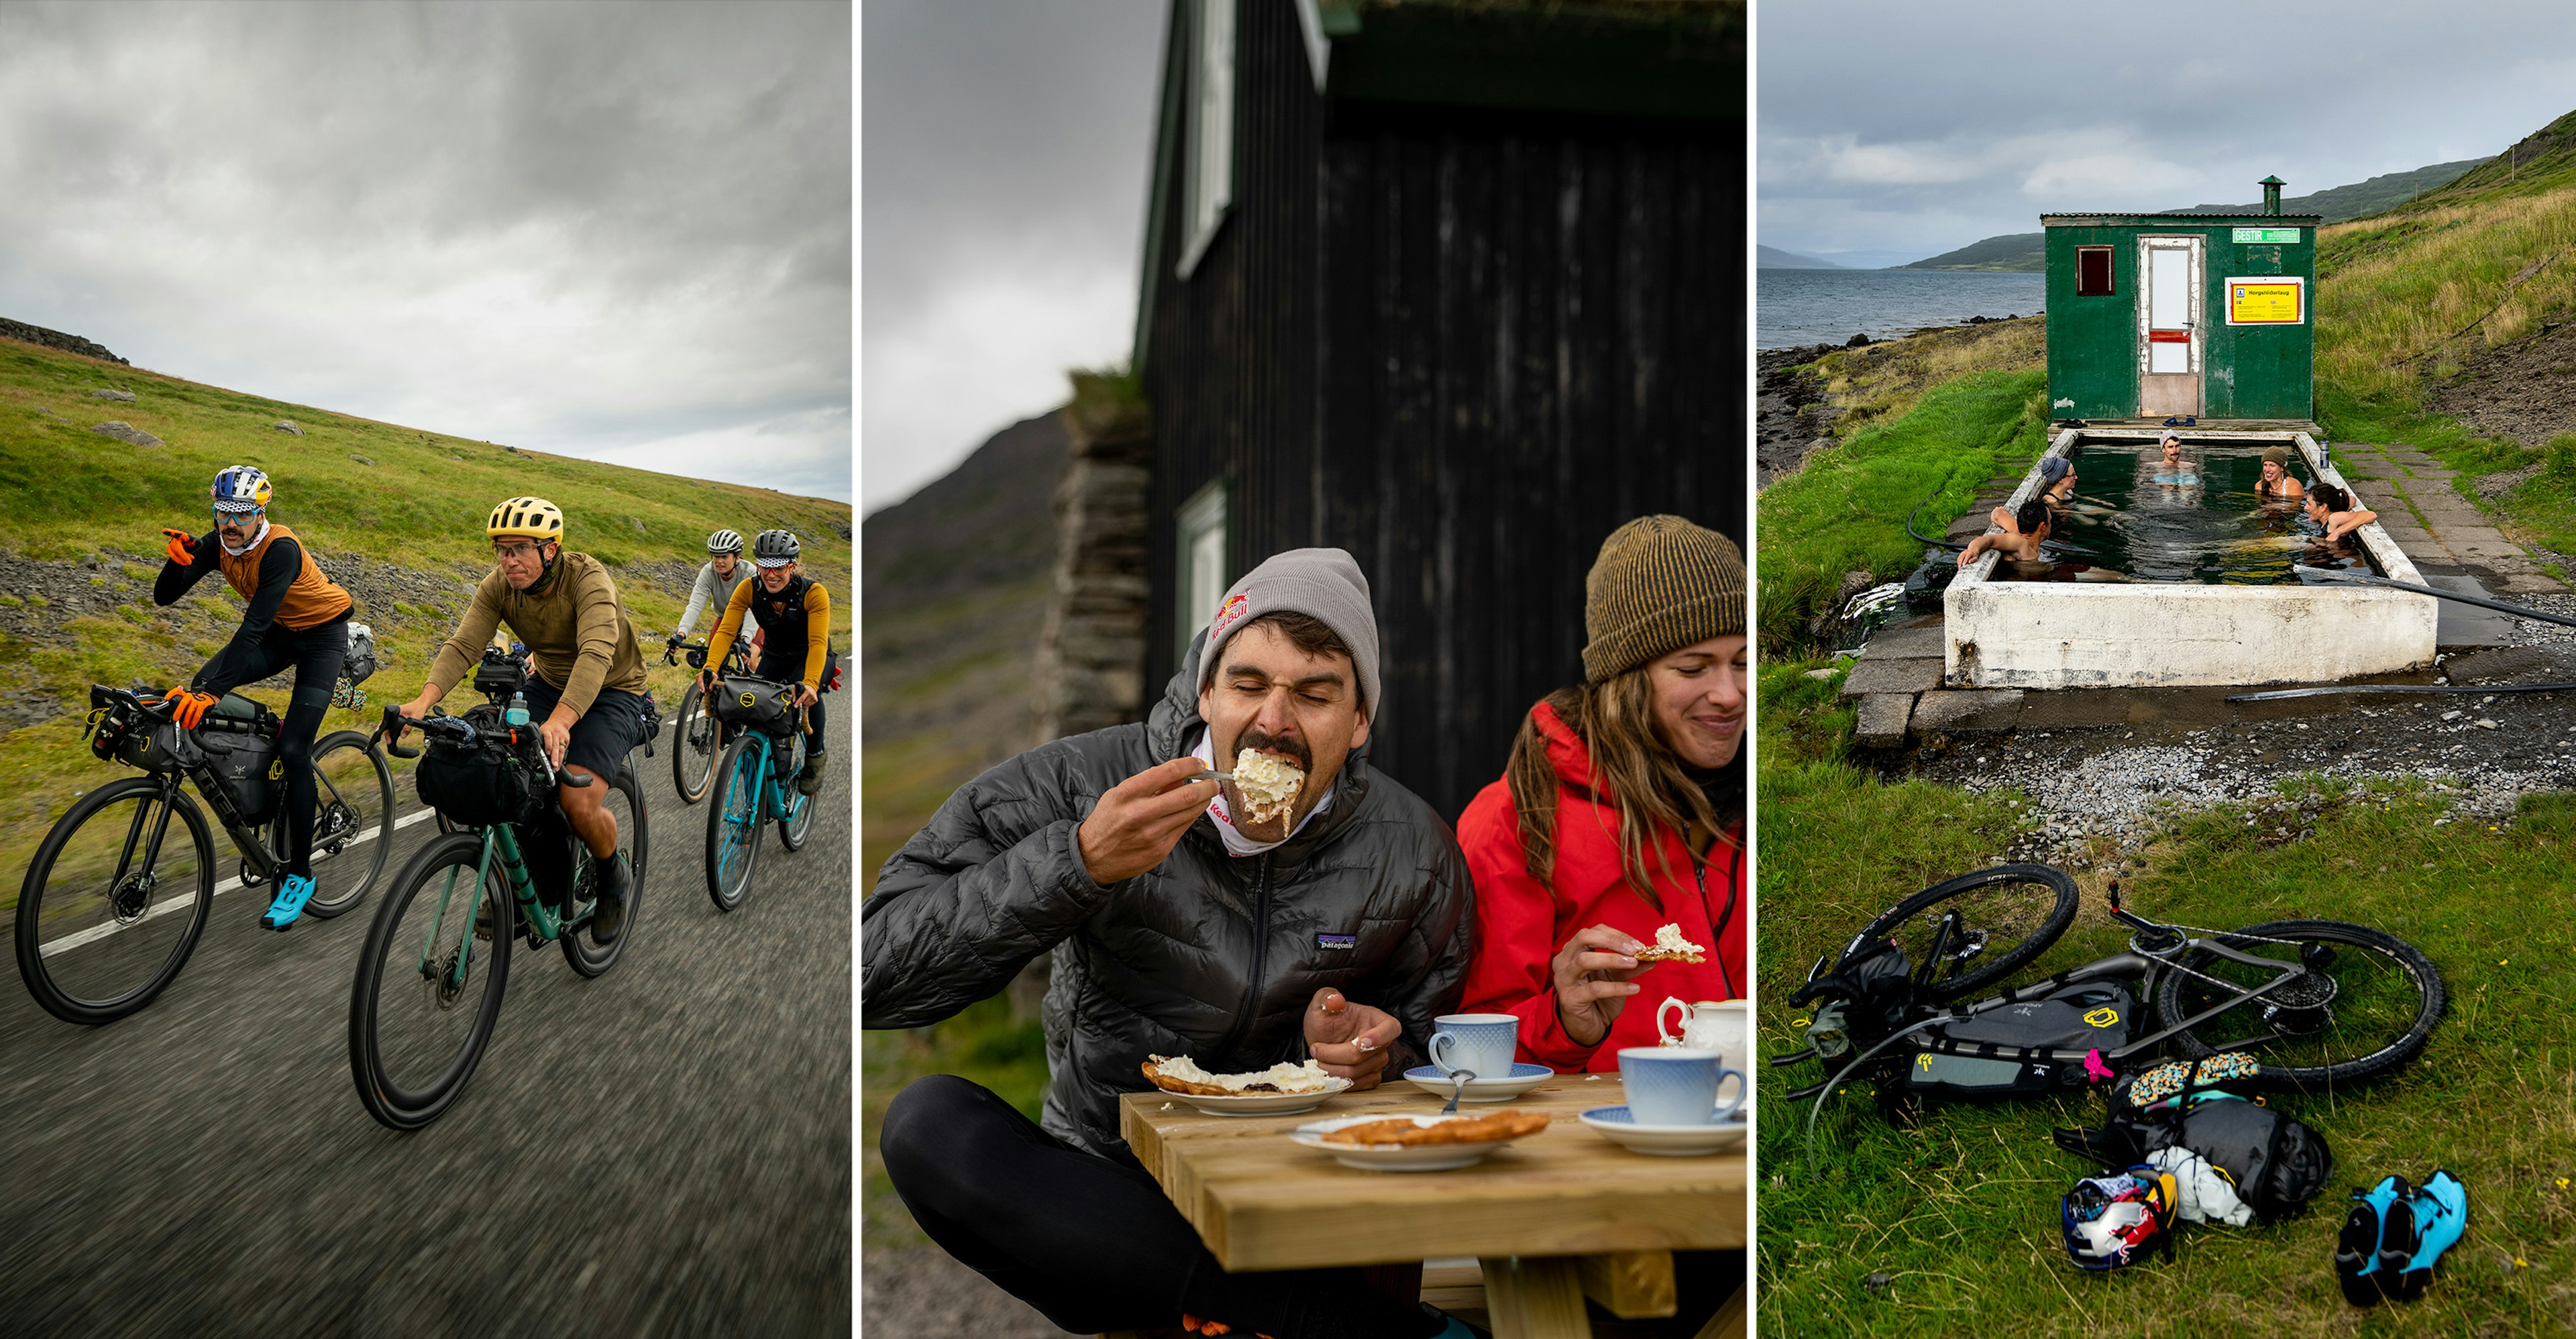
(1670, 1141)
(1524, 1077)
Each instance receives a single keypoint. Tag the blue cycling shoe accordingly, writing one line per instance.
(2441, 1215)
(291, 897)
(2377, 1242)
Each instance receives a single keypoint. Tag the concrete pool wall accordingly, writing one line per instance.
(2065, 634)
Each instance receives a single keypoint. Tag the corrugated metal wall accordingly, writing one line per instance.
(1465, 346)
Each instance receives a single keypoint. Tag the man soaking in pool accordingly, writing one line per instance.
(2020, 543)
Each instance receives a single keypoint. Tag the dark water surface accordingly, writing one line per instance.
(1796, 307)
(2201, 524)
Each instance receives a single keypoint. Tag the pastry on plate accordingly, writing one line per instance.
(1182, 1075)
(1402, 1130)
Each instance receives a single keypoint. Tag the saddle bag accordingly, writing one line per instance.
(361, 660)
(2078, 1020)
(2273, 1164)
(246, 768)
(483, 784)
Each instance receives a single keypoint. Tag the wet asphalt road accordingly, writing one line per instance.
(663, 1150)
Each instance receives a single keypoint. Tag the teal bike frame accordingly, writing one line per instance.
(770, 799)
(543, 925)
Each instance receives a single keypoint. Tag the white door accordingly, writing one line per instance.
(2170, 327)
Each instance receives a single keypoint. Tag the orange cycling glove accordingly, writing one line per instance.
(183, 547)
(190, 706)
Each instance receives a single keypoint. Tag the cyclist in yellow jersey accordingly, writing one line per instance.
(794, 615)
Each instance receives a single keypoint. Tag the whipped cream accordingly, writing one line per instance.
(1669, 940)
(1302, 1077)
(1267, 784)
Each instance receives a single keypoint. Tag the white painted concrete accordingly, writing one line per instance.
(2058, 634)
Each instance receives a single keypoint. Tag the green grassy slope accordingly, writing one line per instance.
(80, 516)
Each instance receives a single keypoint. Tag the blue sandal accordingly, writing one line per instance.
(291, 897)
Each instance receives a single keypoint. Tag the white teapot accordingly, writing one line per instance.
(1723, 1026)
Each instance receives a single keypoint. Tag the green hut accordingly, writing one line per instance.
(2156, 315)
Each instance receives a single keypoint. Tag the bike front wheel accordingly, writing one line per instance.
(429, 982)
(797, 827)
(115, 901)
(734, 820)
(697, 744)
(353, 818)
(2362, 1005)
(625, 803)
(2008, 916)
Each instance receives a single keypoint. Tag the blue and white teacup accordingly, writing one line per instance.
(1480, 1043)
(1677, 1085)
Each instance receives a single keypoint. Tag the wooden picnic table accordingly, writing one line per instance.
(1554, 1218)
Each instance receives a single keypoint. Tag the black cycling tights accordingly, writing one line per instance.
(1093, 1243)
(316, 653)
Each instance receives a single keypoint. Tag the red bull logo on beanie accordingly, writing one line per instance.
(1228, 614)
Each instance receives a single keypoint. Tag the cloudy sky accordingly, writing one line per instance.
(619, 231)
(1893, 130)
(1003, 167)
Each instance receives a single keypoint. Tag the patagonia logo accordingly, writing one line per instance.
(1337, 941)
(2102, 1017)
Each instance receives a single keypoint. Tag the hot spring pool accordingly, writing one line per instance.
(2201, 524)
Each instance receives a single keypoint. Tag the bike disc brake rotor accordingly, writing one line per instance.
(445, 986)
(132, 897)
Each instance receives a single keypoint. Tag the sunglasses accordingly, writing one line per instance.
(241, 518)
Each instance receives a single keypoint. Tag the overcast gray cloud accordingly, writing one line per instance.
(1895, 126)
(1004, 155)
(619, 231)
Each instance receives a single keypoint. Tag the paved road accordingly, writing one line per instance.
(664, 1150)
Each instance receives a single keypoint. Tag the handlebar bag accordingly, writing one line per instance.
(482, 784)
(2093, 1016)
(155, 746)
(746, 701)
(246, 768)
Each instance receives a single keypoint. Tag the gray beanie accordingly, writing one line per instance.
(1323, 584)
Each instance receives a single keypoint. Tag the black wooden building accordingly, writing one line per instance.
(1459, 287)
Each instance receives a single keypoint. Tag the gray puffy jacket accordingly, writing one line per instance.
(1207, 955)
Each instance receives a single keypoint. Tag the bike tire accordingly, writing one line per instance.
(697, 744)
(2396, 992)
(634, 837)
(390, 1098)
(370, 850)
(798, 826)
(734, 822)
(1908, 924)
(57, 996)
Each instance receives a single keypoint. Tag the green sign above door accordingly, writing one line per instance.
(2260, 236)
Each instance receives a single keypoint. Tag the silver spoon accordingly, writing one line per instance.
(1210, 776)
(1462, 1077)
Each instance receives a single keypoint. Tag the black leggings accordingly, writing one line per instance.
(316, 653)
(1091, 1243)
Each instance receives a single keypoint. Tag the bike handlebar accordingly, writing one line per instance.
(459, 730)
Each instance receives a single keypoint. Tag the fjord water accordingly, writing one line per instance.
(1830, 306)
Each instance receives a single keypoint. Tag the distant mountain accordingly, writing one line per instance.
(1773, 258)
(2025, 251)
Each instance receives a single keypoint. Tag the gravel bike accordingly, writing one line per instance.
(755, 783)
(112, 906)
(430, 978)
(2320, 1004)
(698, 739)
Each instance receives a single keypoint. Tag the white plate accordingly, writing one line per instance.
(1261, 1104)
(1669, 1141)
(1524, 1077)
(1394, 1157)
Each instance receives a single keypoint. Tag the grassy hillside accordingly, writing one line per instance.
(394, 513)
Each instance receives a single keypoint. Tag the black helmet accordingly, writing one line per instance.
(723, 542)
(774, 548)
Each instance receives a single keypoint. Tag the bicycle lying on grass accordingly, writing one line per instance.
(698, 739)
(111, 908)
(426, 997)
(2321, 1004)
(755, 783)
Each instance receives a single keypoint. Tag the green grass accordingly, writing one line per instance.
(1846, 511)
(67, 493)
(1959, 1212)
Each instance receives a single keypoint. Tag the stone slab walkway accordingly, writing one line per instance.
(2443, 532)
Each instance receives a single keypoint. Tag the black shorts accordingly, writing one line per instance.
(603, 736)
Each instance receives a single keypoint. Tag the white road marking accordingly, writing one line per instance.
(98, 932)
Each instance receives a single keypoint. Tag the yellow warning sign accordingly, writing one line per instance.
(2266, 301)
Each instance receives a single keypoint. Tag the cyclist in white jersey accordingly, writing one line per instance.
(723, 571)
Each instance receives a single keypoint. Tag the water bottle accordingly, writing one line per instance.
(517, 712)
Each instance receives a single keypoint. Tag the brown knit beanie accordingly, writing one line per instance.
(2277, 455)
(1660, 584)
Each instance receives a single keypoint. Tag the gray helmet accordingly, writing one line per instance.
(723, 542)
(774, 548)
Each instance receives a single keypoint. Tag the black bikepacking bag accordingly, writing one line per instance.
(2073, 1026)
(156, 746)
(2275, 1164)
(756, 703)
(483, 784)
(246, 768)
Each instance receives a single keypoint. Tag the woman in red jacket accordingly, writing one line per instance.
(1621, 810)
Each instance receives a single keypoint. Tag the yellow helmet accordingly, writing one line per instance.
(527, 518)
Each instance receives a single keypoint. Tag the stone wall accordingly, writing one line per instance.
(1091, 656)
(55, 339)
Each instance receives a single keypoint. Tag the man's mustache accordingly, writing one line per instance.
(1253, 738)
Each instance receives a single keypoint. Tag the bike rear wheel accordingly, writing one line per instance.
(697, 745)
(2009, 915)
(734, 820)
(2364, 1005)
(429, 987)
(104, 922)
(625, 803)
(353, 817)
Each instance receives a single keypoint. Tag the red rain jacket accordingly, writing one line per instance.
(1521, 923)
